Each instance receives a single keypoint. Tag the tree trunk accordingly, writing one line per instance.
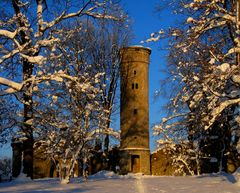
(27, 126)
(28, 105)
(106, 140)
(109, 103)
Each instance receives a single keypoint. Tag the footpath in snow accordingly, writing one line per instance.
(108, 182)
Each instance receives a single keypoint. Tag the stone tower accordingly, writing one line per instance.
(134, 116)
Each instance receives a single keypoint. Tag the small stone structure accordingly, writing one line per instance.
(161, 164)
(134, 115)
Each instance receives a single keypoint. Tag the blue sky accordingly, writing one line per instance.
(145, 20)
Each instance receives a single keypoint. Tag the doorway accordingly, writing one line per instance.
(135, 163)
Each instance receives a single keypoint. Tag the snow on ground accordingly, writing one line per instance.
(108, 182)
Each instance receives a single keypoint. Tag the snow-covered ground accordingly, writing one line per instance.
(108, 182)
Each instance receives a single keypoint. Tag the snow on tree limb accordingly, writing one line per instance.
(218, 110)
(82, 11)
(233, 51)
(34, 59)
(39, 16)
(46, 42)
(8, 55)
(109, 131)
(8, 91)
(100, 16)
(16, 87)
(9, 83)
(8, 34)
(165, 120)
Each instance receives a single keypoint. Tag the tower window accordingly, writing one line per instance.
(132, 85)
(135, 72)
(135, 111)
(136, 85)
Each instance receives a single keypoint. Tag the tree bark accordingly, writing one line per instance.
(28, 105)
(27, 127)
(109, 103)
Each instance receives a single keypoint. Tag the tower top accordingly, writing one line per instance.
(135, 54)
(135, 47)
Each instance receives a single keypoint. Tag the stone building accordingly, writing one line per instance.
(42, 166)
(134, 115)
(162, 164)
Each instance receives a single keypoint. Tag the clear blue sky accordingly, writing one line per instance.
(145, 20)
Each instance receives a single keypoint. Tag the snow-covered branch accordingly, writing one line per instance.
(83, 11)
(8, 55)
(218, 110)
(34, 59)
(12, 84)
(8, 34)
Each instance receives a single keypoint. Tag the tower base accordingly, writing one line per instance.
(135, 161)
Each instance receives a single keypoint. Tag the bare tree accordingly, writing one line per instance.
(203, 64)
(27, 30)
(102, 41)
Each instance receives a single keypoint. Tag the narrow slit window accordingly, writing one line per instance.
(136, 85)
(135, 111)
(132, 85)
(135, 72)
